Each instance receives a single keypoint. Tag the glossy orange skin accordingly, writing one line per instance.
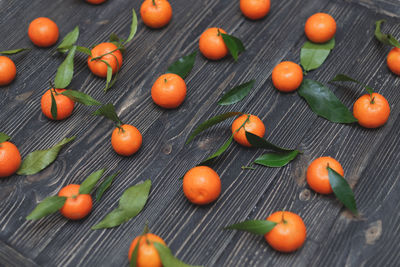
(77, 206)
(371, 115)
(147, 254)
(65, 105)
(156, 16)
(254, 126)
(317, 174)
(201, 185)
(96, 2)
(255, 9)
(7, 70)
(289, 234)
(211, 44)
(10, 159)
(43, 32)
(169, 91)
(99, 68)
(126, 142)
(287, 76)
(320, 28)
(393, 60)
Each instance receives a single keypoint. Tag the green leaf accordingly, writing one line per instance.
(38, 160)
(235, 46)
(258, 227)
(65, 71)
(114, 38)
(386, 39)
(108, 111)
(14, 51)
(342, 190)
(80, 97)
(276, 159)
(133, 27)
(48, 206)
(4, 137)
(104, 186)
(345, 78)
(236, 94)
(53, 108)
(134, 255)
(211, 122)
(84, 50)
(69, 40)
(167, 258)
(131, 203)
(183, 66)
(90, 182)
(109, 74)
(324, 103)
(312, 55)
(221, 150)
(258, 142)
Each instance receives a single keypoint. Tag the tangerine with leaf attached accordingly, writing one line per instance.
(64, 104)
(101, 53)
(77, 206)
(317, 174)
(126, 140)
(247, 123)
(211, 44)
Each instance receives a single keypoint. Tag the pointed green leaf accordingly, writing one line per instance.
(114, 38)
(236, 94)
(69, 40)
(84, 50)
(276, 159)
(53, 108)
(80, 97)
(235, 46)
(65, 71)
(38, 160)
(104, 186)
(4, 137)
(48, 206)
(211, 122)
(134, 255)
(313, 55)
(14, 51)
(342, 190)
(89, 183)
(344, 78)
(183, 66)
(221, 150)
(109, 74)
(133, 27)
(131, 203)
(258, 142)
(386, 39)
(167, 258)
(258, 227)
(324, 103)
(108, 111)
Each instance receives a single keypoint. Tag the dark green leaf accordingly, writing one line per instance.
(14, 51)
(84, 50)
(276, 159)
(133, 27)
(211, 122)
(48, 206)
(258, 227)
(80, 97)
(342, 190)
(167, 258)
(183, 66)
(312, 55)
(90, 182)
(236, 94)
(4, 137)
(104, 186)
(386, 39)
(65, 71)
(134, 255)
(109, 74)
(221, 150)
(324, 103)
(108, 111)
(53, 108)
(131, 203)
(38, 160)
(114, 38)
(345, 78)
(258, 142)
(69, 40)
(235, 46)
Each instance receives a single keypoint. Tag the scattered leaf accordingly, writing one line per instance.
(236, 94)
(65, 71)
(90, 182)
(235, 46)
(342, 190)
(258, 227)
(38, 160)
(133, 27)
(108, 111)
(84, 50)
(131, 203)
(258, 142)
(104, 186)
(167, 258)
(14, 51)
(221, 150)
(345, 78)
(80, 97)
(313, 55)
(4, 137)
(69, 40)
(386, 39)
(183, 66)
(324, 103)
(276, 159)
(48, 206)
(53, 108)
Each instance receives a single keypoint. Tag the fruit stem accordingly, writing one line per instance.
(154, 3)
(283, 217)
(219, 33)
(165, 80)
(372, 100)
(248, 168)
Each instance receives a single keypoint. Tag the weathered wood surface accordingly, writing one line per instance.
(370, 157)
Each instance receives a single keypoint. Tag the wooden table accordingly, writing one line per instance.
(335, 238)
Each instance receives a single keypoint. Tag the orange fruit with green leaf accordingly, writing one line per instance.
(247, 123)
(211, 44)
(103, 54)
(64, 105)
(317, 174)
(147, 254)
(76, 206)
(126, 140)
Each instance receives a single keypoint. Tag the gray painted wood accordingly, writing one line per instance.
(194, 234)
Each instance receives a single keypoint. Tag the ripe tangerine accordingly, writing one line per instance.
(371, 111)
(211, 44)
(287, 76)
(114, 59)
(10, 159)
(77, 206)
(7, 70)
(126, 140)
(317, 174)
(43, 32)
(320, 28)
(147, 255)
(169, 91)
(251, 123)
(156, 13)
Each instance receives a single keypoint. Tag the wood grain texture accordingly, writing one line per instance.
(194, 233)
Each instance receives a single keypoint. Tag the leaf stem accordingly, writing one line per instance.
(99, 57)
(248, 168)
(154, 3)
(242, 126)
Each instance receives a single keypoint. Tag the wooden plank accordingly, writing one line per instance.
(11, 258)
(385, 7)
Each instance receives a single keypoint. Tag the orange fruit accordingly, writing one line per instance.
(371, 112)
(254, 125)
(147, 255)
(65, 105)
(393, 60)
(7, 70)
(126, 140)
(320, 28)
(10, 159)
(77, 206)
(169, 91)
(201, 185)
(289, 234)
(96, 2)
(317, 174)
(156, 13)
(114, 59)
(211, 44)
(255, 9)
(287, 76)
(43, 32)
